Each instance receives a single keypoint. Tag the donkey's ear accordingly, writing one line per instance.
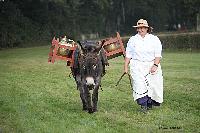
(100, 45)
(78, 42)
(80, 47)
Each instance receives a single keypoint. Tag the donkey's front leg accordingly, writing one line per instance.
(95, 98)
(83, 98)
(83, 101)
(95, 95)
(82, 93)
(88, 100)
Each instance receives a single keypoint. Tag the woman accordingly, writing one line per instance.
(143, 55)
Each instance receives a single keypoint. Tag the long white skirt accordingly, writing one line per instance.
(152, 84)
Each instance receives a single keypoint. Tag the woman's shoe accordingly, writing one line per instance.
(149, 106)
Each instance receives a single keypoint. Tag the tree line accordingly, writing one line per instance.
(25, 21)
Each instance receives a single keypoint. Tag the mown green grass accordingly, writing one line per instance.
(37, 96)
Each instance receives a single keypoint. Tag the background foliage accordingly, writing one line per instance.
(26, 21)
(187, 41)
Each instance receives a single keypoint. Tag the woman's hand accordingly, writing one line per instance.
(153, 69)
(125, 69)
(155, 65)
(127, 60)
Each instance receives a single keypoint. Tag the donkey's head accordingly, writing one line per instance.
(90, 61)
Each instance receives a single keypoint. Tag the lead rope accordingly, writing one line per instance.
(146, 81)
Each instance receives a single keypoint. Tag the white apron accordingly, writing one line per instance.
(138, 70)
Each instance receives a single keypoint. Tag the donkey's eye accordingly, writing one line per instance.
(94, 66)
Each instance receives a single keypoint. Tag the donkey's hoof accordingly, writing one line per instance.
(95, 110)
(90, 111)
(84, 109)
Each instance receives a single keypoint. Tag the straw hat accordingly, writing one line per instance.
(143, 23)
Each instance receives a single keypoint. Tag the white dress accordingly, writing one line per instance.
(142, 52)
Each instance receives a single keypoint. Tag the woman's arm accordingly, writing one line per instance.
(127, 61)
(157, 60)
(155, 65)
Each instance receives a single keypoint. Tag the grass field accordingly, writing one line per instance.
(38, 97)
